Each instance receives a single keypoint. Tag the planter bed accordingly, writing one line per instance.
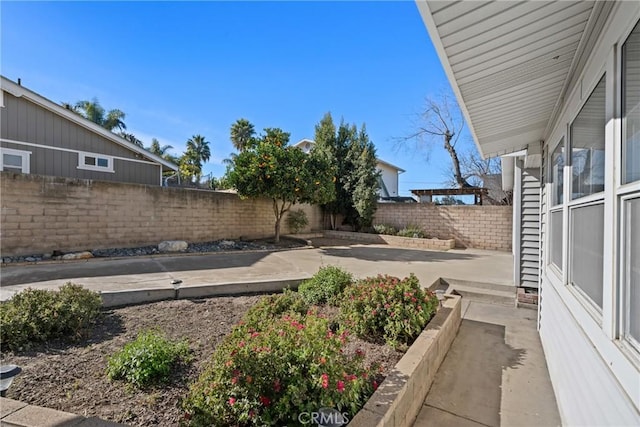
(401, 242)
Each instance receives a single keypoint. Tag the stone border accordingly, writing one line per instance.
(402, 242)
(399, 398)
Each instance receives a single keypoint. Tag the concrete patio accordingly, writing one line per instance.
(494, 375)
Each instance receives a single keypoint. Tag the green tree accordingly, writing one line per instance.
(335, 147)
(353, 156)
(283, 174)
(92, 110)
(198, 151)
(242, 134)
(363, 182)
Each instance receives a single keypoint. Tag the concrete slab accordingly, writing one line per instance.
(34, 416)
(9, 406)
(495, 373)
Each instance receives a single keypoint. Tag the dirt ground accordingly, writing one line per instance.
(72, 378)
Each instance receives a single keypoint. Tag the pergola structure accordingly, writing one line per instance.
(426, 196)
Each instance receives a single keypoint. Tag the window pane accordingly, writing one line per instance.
(587, 145)
(632, 267)
(631, 107)
(91, 161)
(557, 161)
(103, 163)
(12, 160)
(586, 250)
(556, 238)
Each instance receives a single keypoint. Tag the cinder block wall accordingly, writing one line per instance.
(41, 214)
(481, 227)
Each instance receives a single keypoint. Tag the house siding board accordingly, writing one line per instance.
(581, 397)
(25, 121)
(529, 226)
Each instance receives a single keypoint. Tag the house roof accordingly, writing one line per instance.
(510, 64)
(20, 91)
(382, 162)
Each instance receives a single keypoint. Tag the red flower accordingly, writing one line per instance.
(232, 401)
(340, 386)
(325, 380)
(359, 352)
(228, 363)
(234, 380)
(265, 400)
(323, 360)
(375, 385)
(241, 344)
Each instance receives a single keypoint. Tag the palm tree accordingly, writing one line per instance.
(197, 152)
(156, 149)
(242, 133)
(92, 110)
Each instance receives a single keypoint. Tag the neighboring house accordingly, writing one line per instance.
(388, 172)
(41, 137)
(554, 87)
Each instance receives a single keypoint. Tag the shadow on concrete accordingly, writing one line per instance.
(16, 275)
(467, 388)
(375, 253)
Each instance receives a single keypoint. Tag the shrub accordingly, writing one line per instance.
(297, 220)
(384, 306)
(327, 284)
(146, 360)
(274, 306)
(268, 376)
(36, 315)
(385, 229)
(412, 231)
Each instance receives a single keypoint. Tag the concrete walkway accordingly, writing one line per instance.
(495, 373)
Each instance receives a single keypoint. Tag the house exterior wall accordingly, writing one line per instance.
(40, 214)
(594, 371)
(529, 226)
(481, 227)
(55, 143)
(389, 176)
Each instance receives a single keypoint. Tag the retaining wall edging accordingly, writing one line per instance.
(402, 242)
(399, 398)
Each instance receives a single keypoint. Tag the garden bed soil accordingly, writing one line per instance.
(71, 377)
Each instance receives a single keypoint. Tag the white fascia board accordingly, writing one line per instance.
(20, 91)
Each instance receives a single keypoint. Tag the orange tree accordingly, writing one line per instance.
(272, 169)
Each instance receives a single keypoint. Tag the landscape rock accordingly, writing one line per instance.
(78, 255)
(173, 246)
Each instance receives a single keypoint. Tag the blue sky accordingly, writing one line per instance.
(183, 68)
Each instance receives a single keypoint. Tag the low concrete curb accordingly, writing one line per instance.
(398, 400)
(397, 241)
(142, 296)
(18, 414)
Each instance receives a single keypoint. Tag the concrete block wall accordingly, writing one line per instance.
(481, 227)
(40, 214)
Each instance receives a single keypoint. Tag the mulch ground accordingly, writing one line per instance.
(72, 378)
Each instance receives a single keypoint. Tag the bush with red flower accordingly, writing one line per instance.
(267, 373)
(387, 308)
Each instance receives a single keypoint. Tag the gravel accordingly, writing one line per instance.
(202, 247)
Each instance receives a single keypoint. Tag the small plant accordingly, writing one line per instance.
(412, 231)
(385, 229)
(146, 360)
(274, 306)
(384, 306)
(269, 375)
(36, 315)
(325, 286)
(297, 220)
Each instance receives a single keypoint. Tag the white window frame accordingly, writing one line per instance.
(82, 155)
(26, 158)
